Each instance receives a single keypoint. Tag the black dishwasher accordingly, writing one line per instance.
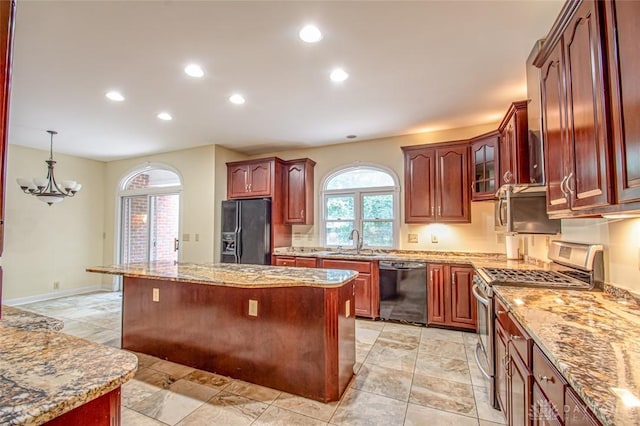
(403, 291)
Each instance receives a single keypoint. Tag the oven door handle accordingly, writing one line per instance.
(478, 296)
(477, 357)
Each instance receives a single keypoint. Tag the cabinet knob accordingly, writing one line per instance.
(507, 176)
(546, 379)
(515, 337)
(249, 187)
(562, 186)
(567, 184)
(301, 213)
(433, 213)
(453, 279)
(439, 210)
(501, 312)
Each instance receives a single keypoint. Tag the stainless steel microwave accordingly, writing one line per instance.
(523, 210)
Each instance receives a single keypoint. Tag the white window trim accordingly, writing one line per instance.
(357, 192)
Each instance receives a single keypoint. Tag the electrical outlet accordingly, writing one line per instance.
(156, 295)
(56, 285)
(499, 238)
(186, 237)
(197, 237)
(434, 239)
(413, 238)
(253, 308)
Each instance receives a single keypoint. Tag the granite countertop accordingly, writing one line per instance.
(233, 275)
(477, 260)
(593, 339)
(44, 373)
(25, 320)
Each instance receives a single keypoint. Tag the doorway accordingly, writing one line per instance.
(149, 215)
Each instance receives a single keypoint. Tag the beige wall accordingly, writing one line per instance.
(621, 240)
(42, 243)
(477, 236)
(197, 168)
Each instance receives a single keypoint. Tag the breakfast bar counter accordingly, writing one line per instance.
(291, 329)
(48, 376)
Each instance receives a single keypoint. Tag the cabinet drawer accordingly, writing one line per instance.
(502, 314)
(548, 378)
(364, 267)
(306, 262)
(575, 412)
(284, 261)
(520, 340)
(543, 413)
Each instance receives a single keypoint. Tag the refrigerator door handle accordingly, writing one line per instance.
(238, 246)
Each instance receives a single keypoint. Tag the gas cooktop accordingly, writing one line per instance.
(533, 278)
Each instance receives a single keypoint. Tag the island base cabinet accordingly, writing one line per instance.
(297, 339)
(102, 411)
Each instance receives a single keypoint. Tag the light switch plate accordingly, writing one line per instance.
(434, 239)
(253, 308)
(156, 295)
(413, 238)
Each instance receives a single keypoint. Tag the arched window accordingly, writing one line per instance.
(364, 198)
(149, 214)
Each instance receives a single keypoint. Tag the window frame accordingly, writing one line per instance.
(358, 194)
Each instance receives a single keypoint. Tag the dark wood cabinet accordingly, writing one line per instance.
(300, 262)
(554, 129)
(501, 377)
(367, 299)
(576, 412)
(298, 192)
(7, 19)
(623, 58)
(485, 164)
(519, 378)
(437, 183)
(250, 179)
(514, 145)
(449, 298)
(104, 410)
(542, 413)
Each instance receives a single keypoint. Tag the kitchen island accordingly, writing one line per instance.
(48, 376)
(291, 329)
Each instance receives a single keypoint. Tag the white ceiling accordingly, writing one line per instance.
(414, 66)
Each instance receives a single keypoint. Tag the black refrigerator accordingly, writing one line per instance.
(246, 231)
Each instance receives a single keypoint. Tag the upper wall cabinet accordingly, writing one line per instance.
(623, 54)
(437, 183)
(298, 183)
(485, 166)
(514, 145)
(251, 179)
(574, 113)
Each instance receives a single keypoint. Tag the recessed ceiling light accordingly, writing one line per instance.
(194, 70)
(165, 116)
(237, 99)
(310, 34)
(114, 96)
(338, 75)
(351, 136)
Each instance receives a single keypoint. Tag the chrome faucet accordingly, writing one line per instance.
(358, 241)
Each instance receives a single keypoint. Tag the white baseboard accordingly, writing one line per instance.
(53, 295)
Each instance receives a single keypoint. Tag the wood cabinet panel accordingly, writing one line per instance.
(102, 411)
(514, 145)
(437, 183)
(542, 412)
(575, 412)
(435, 294)
(548, 379)
(501, 360)
(299, 192)
(589, 179)
(623, 58)
(306, 262)
(485, 166)
(519, 390)
(237, 181)
(251, 179)
(463, 304)
(453, 202)
(7, 19)
(420, 186)
(449, 298)
(367, 299)
(260, 179)
(554, 129)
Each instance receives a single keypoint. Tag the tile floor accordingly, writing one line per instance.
(405, 375)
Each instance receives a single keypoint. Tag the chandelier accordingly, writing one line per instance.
(47, 189)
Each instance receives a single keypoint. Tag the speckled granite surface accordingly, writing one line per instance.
(593, 339)
(252, 276)
(478, 260)
(44, 373)
(28, 321)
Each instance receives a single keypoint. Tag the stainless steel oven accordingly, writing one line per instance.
(484, 347)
